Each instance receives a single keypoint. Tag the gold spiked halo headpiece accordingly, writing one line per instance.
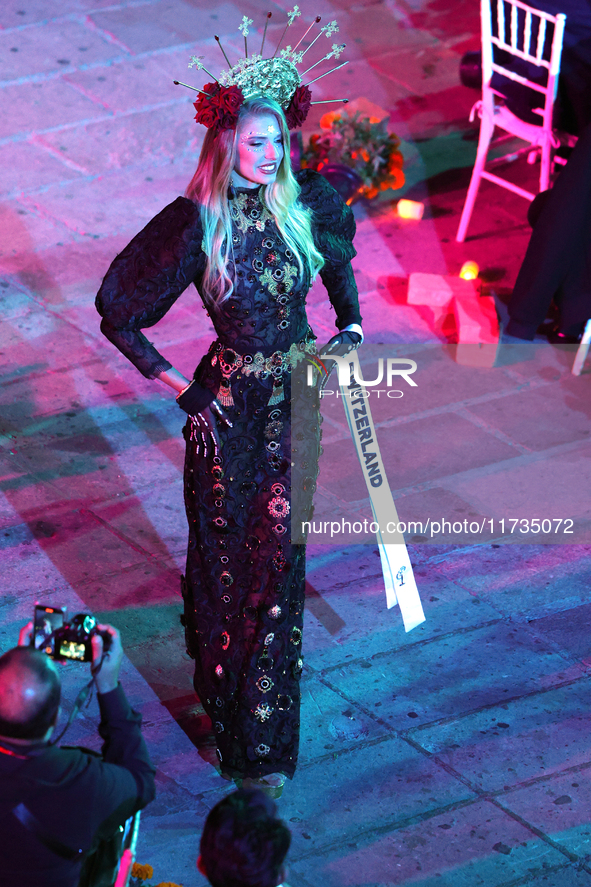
(276, 77)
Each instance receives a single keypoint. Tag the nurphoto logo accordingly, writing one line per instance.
(402, 367)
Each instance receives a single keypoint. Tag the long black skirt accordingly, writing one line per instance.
(244, 589)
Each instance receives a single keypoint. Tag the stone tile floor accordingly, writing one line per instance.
(455, 755)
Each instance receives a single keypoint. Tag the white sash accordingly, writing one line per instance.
(399, 579)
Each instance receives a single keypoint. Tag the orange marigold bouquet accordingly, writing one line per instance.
(141, 873)
(361, 143)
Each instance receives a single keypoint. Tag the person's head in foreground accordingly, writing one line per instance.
(29, 696)
(244, 843)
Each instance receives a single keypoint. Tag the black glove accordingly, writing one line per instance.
(195, 398)
(342, 343)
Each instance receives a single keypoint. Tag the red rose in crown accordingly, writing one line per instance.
(298, 107)
(230, 98)
(208, 117)
(218, 106)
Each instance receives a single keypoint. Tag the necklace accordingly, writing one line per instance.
(247, 211)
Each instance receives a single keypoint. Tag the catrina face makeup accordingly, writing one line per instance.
(259, 151)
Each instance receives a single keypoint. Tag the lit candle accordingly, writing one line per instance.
(469, 271)
(410, 209)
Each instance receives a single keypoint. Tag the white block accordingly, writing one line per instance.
(437, 289)
(476, 318)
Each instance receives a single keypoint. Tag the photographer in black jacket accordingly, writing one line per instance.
(58, 804)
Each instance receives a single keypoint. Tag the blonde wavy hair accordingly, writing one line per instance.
(209, 188)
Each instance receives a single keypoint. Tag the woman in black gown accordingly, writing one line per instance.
(244, 587)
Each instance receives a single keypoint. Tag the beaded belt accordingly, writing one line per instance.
(258, 365)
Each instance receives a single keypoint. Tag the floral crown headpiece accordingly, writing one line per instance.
(276, 77)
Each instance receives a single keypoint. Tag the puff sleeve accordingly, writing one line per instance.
(146, 279)
(333, 229)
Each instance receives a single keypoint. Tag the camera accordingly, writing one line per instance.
(63, 639)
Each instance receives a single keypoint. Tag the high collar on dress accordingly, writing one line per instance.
(234, 190)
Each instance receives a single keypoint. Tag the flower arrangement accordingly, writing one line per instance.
(361, 143)
(141, 873)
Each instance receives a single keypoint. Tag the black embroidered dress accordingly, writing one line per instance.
(244, 590)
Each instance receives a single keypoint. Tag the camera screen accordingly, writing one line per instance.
(72, 650)
(46, 621)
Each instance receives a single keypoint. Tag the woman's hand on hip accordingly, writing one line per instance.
(205, 429)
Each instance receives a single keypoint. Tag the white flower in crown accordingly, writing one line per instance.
(294, 57)
(277, 78)
(243, 28)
